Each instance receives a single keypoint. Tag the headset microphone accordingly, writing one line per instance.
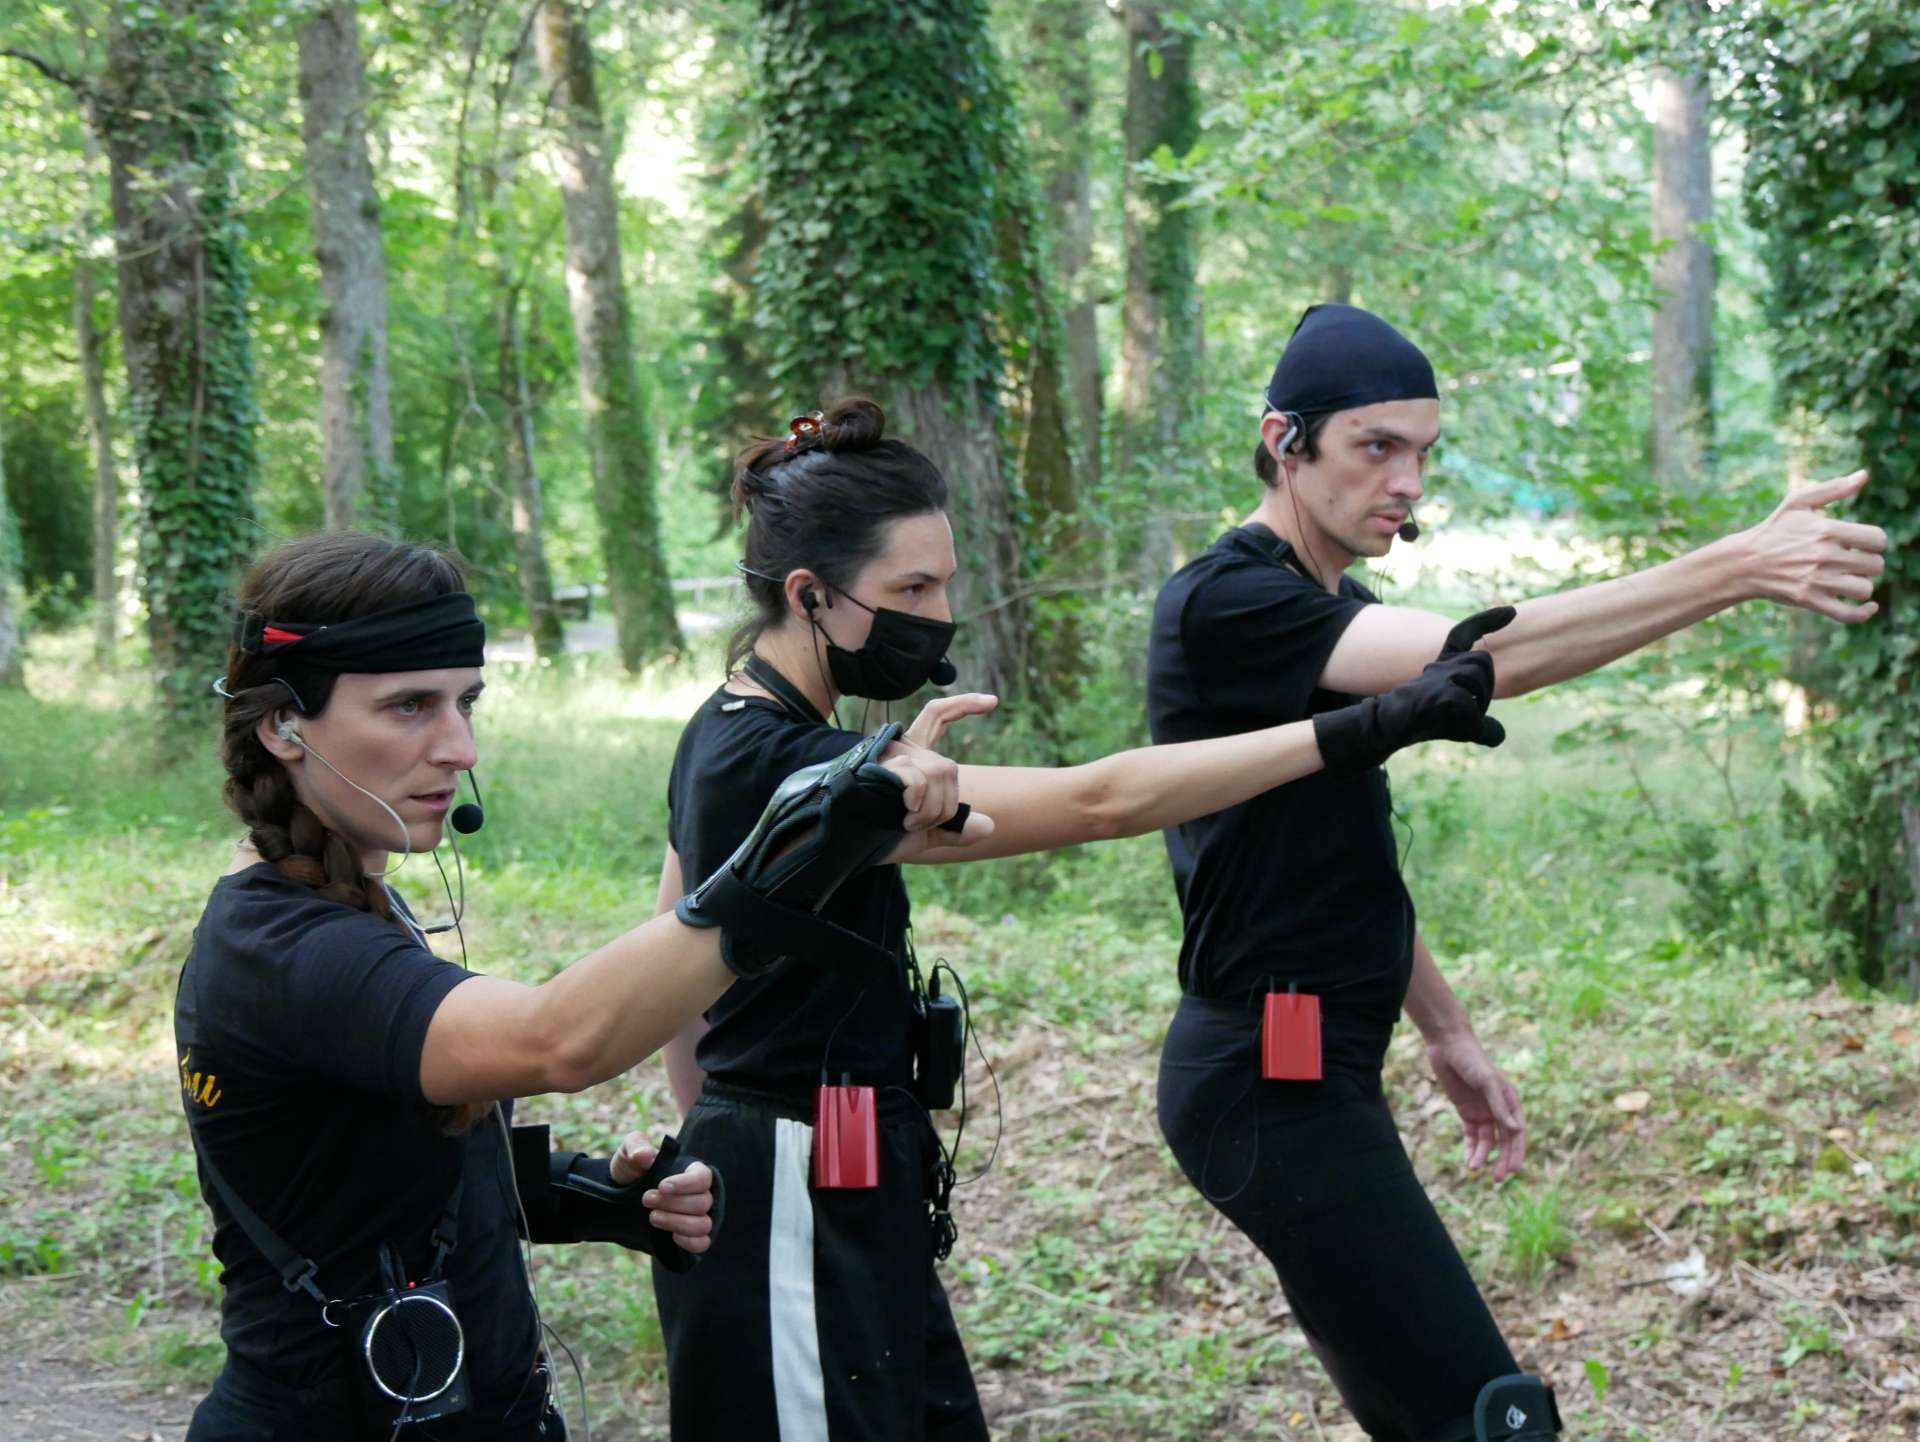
(469, 817)
(1409, 531)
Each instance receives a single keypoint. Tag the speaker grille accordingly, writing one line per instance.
(414, 1348)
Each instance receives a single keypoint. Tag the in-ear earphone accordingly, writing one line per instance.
(808, 601)
(1293, 435)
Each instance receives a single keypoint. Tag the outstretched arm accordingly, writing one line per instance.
(1149, 787)
(1797, 556)
(490, 1037)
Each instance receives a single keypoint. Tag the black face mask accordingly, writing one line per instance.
(902, 653)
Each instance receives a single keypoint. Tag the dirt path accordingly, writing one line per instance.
(54, 1388)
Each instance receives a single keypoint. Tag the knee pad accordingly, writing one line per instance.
(1519, 1408)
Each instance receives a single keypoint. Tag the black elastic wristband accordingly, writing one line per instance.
(1346, 739)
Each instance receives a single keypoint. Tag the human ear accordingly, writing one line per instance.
(806, 594)
(270, 730)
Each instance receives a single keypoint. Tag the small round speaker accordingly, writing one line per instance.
(414, 1347)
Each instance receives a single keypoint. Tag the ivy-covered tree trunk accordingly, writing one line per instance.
(106, 480)
(163, 115)
(879, 121)
(1683, 277)
(356, 389)
(1160, 344)
(1833, 183)
(620, 436)
(12, 672)
(1060, 102)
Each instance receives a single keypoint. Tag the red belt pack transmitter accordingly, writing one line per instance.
(846, 1138)
(1290, 1037)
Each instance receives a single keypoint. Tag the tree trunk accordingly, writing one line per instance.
(106, 481)
(877, 158)
(12, 672)
(611, 397)
(356, 392)
(1063, 94)
(1160, 343)
(183, 325)
(523, 479)
(955, 425)
(1683, 276)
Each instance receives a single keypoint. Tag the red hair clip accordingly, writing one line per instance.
(804, 428)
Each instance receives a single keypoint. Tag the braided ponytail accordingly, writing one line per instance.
(322, 580)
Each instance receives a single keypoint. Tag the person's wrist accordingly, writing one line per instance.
(1346, 738)
(1731, 570)
(1445, 1031)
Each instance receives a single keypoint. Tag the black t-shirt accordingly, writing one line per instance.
(300, 1024)
(1301, 883)
(772, 1033)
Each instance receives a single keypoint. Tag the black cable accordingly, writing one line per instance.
(820, 665)
(457, 912)
(1412, 835)
(999, 1101)
(945, 1232)
(1250, 1090)
(413, 1385)
(826, 1052)
(519, 1208)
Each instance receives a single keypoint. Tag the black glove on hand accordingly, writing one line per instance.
(1446, 702)
(824, 823)
(572, 1197)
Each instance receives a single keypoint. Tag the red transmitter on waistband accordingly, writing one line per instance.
(1290, 1037)
(846, 1137)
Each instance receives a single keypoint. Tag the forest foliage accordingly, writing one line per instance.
(1061, 241)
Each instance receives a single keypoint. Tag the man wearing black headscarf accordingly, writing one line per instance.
(1274, 1108)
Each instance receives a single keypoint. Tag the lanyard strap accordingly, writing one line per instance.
(297, 1272)
(783, 690)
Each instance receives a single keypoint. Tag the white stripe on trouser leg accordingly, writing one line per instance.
(799, 1391)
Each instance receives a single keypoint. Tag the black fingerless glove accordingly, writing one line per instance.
(1446, 702)
(824, 824)
(572, 1197)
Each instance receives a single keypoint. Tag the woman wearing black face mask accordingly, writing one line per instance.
(822, 1317)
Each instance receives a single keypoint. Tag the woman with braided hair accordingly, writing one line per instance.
(822, 1319)
(347, 1091)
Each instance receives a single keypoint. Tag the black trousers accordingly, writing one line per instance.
(816, 1316)
(1315, 1174)
(247, 1407)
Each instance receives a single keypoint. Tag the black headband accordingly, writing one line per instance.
(1340, 357)
(423, 636)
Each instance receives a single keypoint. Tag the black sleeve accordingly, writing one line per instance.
(357, 995)
(726, 769)
(1258, 638)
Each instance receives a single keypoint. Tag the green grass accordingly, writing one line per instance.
(1099, 1295)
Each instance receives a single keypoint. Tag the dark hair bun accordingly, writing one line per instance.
(852, 423)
